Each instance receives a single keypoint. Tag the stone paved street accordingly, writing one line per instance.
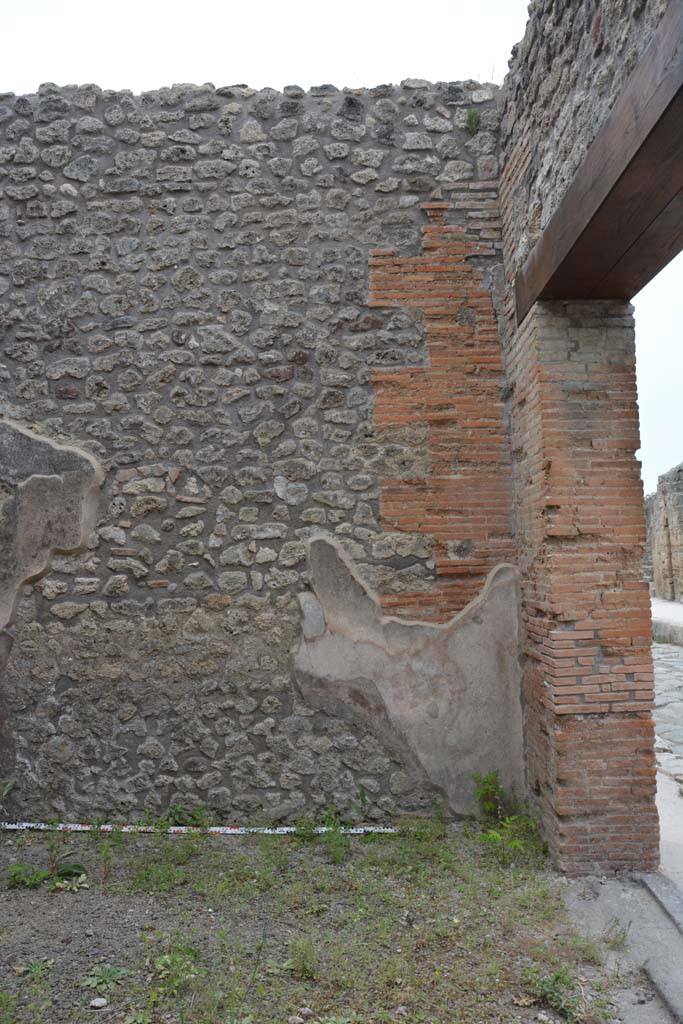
(668, 659)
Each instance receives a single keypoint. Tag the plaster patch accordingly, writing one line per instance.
(446, 697)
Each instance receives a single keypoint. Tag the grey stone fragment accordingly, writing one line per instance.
(313, 617)
(81, 169)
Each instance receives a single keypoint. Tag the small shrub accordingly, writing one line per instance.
(473, 121)
(515, 838)
(493, 801)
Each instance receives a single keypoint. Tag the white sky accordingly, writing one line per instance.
(144, 44)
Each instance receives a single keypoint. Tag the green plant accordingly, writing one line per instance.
(106, 852)
(56, 842)
(336, 843)
(70, 883)
(104, 977)
(515, 838)
(473, 121)
(493, 801)
(304, 957)
(37, 969)
(306, 830)
(194, 817)
(25, 876)
(557, 991)
(8, 1007)
(39, 998)
(175, 970)
(158, 876)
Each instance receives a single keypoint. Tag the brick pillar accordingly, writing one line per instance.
(588, 677)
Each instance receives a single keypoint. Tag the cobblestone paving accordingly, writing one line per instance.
(668, 659)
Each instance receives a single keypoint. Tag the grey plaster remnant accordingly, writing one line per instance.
(48, 503)
(446, 697)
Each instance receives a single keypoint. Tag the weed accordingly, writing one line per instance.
(303, 957)
(586, 950)
(473, 121)
(158, 876)
(39, 999)
(25, 876)
(557, 991)
(70, 883)
(63, 876)
(336, 843)
(306, 830)
(515, 838)
(175, 970)
(491, 796)
(37, 969)
(194, 817)
(104, 977)
(8, 1007)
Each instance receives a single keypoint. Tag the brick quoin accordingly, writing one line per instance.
(581, 532)
(465, 501)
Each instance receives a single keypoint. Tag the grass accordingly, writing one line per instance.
(433, 920)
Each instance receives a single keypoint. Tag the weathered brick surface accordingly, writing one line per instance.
(586, 608)
(464, 502)
(578, 498)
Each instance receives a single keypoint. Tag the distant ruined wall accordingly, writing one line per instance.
(236, 302)
(665, 535)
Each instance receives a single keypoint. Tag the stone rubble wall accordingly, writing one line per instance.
(565, 75)
(664, 553)
(184, 294)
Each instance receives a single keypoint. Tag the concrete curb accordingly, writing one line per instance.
(667, 894)
(667, 632)
(668, 986)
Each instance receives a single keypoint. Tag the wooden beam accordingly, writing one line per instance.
(619, 222)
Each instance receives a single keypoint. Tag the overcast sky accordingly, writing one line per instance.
(144, 44)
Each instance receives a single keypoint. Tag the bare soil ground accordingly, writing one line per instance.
(431, 925)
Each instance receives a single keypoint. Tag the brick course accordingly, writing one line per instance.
(465, 501)
(581, 532)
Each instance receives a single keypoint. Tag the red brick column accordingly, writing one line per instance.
(581, 533)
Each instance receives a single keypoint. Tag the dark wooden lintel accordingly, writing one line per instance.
(621, 219)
